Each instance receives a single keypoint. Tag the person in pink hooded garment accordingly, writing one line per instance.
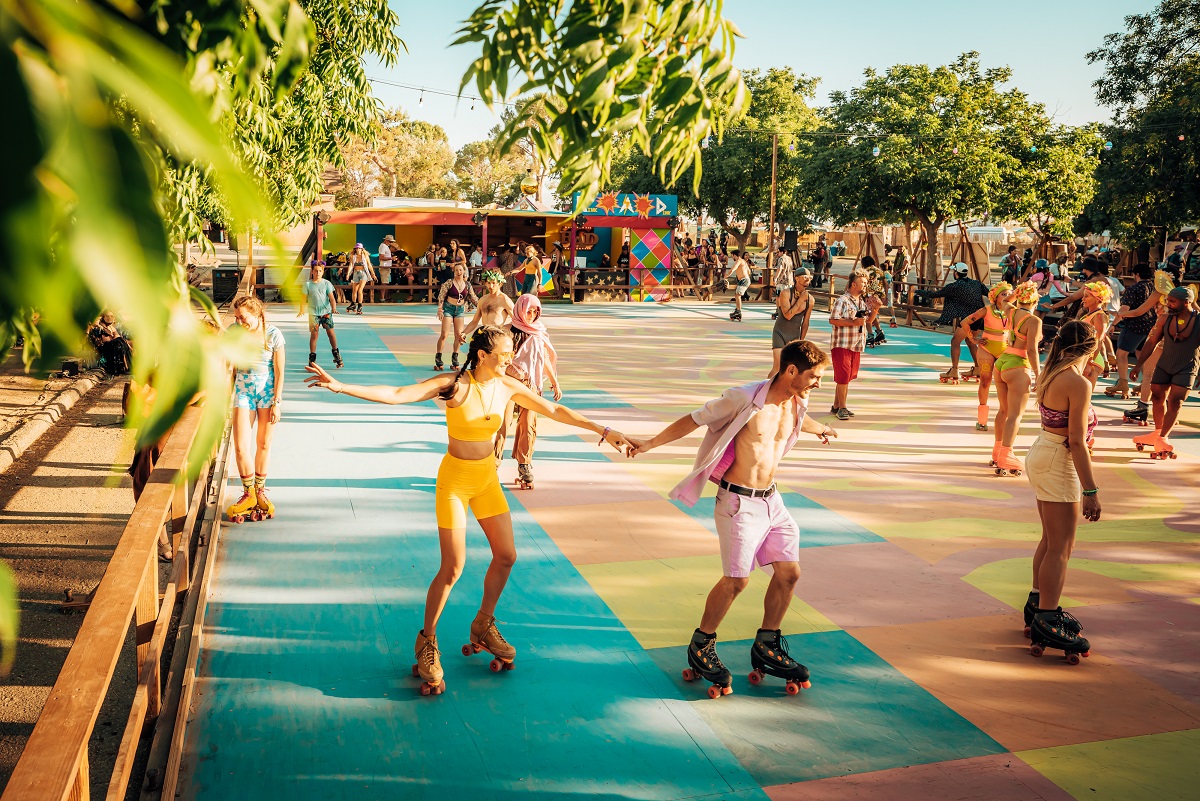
(534, 362)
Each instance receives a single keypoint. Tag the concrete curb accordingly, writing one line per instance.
(28, 432)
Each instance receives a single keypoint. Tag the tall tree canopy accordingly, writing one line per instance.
(934, 144)
(735, 185)
(1149, 183)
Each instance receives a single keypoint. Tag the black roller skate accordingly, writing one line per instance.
(337, 358)
(1059, 630)
(769, 656)
(736, 316)
(438, 364)
(880, 339)
(1031, 609)
(454, 361)
(705, 664)
(1139, 414)
(312, 358)
(871, 341)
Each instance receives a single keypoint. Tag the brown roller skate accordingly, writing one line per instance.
(429, 665)
(486, 637)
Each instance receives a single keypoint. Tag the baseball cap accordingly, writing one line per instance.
(1183, 293)
(802, 272)
(389, 238)
(961, 267)
(358, 244)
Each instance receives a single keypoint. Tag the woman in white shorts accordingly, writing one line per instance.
(1059, 467)
(361, 271)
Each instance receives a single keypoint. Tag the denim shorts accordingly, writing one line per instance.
(452, 311)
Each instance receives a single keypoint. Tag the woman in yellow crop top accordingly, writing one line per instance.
(991, 340)
(1015, 372)
(475, 397)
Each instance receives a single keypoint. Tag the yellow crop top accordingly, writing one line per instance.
(478, 417)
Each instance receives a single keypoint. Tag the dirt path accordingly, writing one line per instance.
(63, 506)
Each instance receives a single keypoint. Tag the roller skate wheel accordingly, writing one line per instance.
(793, 688)
(755, 677)
(689, 675)
(510, 665)
(432, 689)
(715, 691)
(1027, 633)
(1036, 650)
(238, 519)
(1072, 659)
(726, 691)
(1141, 447)
(467, 650)
(496, 665)
(415, 672)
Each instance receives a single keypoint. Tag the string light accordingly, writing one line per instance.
(421, 102)
(875, 150)
(1108, 145)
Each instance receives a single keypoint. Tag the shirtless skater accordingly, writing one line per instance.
(750, 428)
(495, 308)
(1178, 329)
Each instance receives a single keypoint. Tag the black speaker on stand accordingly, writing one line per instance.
(790, 239)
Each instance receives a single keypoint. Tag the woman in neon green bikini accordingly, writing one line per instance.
(1016, 373)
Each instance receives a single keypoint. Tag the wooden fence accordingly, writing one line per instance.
(54, 765)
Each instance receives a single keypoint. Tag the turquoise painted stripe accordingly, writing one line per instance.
(306, 691)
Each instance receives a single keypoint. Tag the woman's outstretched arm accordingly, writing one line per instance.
(411, 393)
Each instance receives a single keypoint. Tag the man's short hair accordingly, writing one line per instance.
(1093, 265)
(803, 355)
(867, 261)
(1144, 272)
(1011, 248)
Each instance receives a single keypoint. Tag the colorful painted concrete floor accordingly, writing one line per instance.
(916, 561)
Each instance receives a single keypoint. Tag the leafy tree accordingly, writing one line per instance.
(1149, 183)
(658, 71)
(945, 139)
(486, 176)
(735, 187)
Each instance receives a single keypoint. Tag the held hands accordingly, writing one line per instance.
(1091, 508)
(617, 440)
(321, 379)
(637, 446)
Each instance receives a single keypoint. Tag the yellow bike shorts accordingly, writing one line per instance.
(467, 482)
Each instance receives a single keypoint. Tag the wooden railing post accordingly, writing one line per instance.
(146, 612)
(81, 790)
(179, 505)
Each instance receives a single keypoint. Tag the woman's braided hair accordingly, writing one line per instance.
(484, 339)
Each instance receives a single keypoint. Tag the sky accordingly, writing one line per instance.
(1043, 41)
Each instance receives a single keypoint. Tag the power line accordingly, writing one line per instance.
(433, 91)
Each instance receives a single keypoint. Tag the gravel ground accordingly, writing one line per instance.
(63, 506)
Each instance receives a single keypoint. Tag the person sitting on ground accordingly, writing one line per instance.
(112, 344)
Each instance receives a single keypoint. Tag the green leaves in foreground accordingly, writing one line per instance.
(8, 619)
(81, 227)
(660, 71)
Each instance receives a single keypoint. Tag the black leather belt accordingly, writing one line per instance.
(747, 491)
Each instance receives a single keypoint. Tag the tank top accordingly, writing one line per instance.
(478, 417)
(1179, 355)
(790, 329)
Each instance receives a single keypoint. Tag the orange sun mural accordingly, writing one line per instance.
(643, 206)
(608, 202)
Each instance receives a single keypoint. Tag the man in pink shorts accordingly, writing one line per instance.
(750, 429)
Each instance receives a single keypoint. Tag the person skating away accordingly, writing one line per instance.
(318, 299)
(1178, 329)
(495, 308)
(1059, 467)
(740, 273)
(475, 398)
(534, 361)
(850, 317)
(794, 305)
(1162, 284)
(749, 430)
(992, 339)
(454, 299)
(962, 297)
(1134, 328)
(1016, 372)
(784, 278)
(884, 293)
(257, 397)
(361, 271)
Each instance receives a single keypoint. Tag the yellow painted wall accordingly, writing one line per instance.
(338, 238)
(414, 238)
